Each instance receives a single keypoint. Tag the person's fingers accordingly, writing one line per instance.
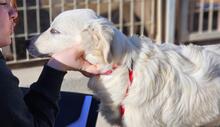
(90, 68)
(79, 53)
(87, 74)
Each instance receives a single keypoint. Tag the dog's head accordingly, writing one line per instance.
(95, 34)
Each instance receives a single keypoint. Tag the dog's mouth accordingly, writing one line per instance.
(33, 50)
(36, 53)
(39, 54)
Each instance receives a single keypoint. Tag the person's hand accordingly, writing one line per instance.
(72, 59)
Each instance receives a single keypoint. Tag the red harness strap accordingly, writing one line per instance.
(121, 107)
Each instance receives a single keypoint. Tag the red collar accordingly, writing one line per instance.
(121, 107)
(130, 73)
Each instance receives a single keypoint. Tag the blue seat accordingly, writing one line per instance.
(76, 110)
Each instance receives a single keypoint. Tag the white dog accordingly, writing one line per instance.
(145, 85)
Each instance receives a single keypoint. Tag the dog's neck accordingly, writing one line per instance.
(126, 51)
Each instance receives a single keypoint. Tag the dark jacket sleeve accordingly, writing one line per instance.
(38, 108)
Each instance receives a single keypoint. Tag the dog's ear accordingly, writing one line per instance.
(99, 32)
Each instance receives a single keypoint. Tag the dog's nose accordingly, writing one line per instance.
(31, 40)
(27, 43)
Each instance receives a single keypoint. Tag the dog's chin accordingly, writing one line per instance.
(38, 54)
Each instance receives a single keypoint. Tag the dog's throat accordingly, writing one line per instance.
(121, 106)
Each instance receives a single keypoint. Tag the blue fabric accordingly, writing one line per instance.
(82, 121)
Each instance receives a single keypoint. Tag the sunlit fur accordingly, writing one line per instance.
(173, 86)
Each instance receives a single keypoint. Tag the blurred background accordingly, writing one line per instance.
(170, 21)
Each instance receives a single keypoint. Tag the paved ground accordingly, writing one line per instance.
(73, 81)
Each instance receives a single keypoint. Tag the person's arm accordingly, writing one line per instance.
(49, 83)
(39, 106)
(42, 99)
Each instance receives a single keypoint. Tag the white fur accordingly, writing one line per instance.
(173, 86)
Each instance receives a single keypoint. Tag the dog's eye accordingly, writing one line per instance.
(54, 31)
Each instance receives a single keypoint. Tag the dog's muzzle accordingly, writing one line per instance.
(32, 49)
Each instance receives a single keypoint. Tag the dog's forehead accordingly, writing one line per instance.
(73, 20)
(76, 15)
